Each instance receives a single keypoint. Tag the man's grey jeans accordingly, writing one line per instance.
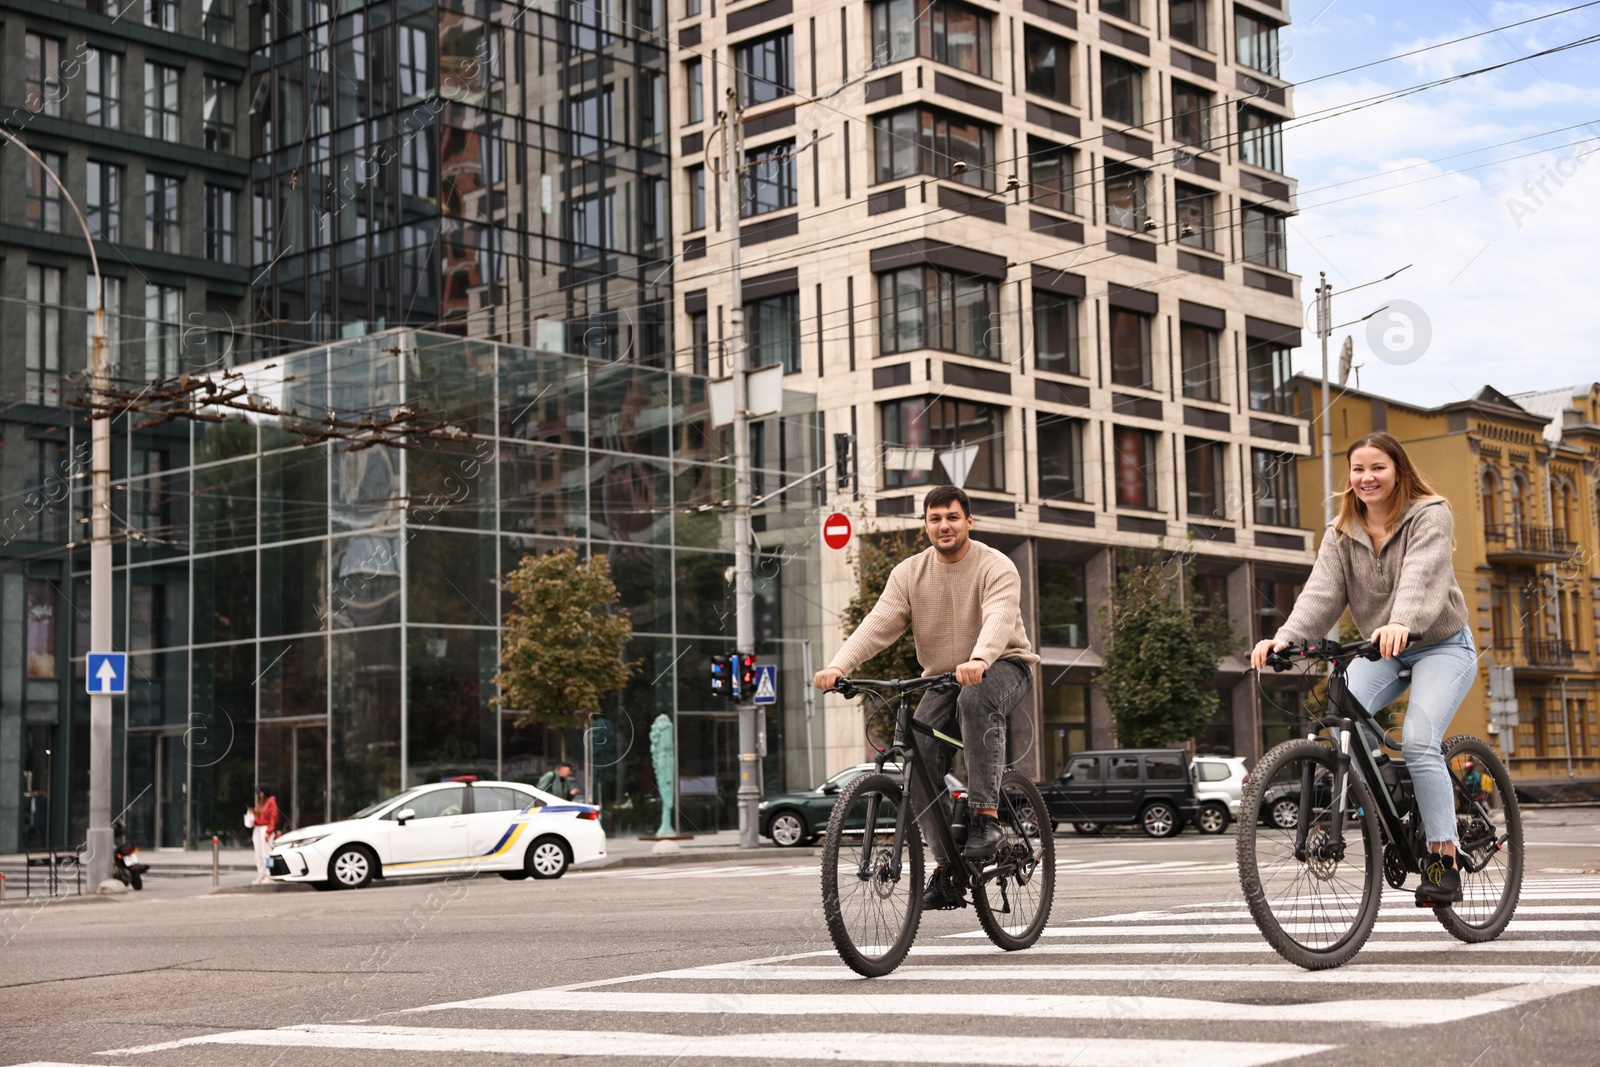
(976, 714)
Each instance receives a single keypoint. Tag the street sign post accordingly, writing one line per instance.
(766, 683)
(836, 530)
(107, 675)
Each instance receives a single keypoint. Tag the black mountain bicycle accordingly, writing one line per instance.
(1314, 839)
(872, 855)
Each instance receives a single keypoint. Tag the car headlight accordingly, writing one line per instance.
(301, 842)
(763, 805)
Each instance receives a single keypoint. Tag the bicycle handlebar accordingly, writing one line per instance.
(1327, 651)
(850, 688)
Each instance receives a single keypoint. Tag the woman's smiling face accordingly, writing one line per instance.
(1372, 474)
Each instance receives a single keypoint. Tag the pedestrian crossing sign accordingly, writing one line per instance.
(766, 684)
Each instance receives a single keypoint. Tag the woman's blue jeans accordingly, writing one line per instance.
(1441, 674)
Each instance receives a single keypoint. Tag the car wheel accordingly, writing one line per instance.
(1160, 819)
(787, 829)
(1285, 813)
(1213, 818)
(547, 857)
(351, 867)
(1086, 827)
(514, 876)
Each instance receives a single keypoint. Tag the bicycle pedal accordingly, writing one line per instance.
(951, 905)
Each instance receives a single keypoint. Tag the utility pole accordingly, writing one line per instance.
(1324, 331)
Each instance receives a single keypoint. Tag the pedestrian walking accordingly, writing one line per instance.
(264, 828)
(559, 783)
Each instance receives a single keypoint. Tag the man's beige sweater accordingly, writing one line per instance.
(957, 612)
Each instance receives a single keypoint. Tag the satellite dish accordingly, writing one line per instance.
(1346, 354)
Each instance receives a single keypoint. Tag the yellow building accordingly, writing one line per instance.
(1522, 473)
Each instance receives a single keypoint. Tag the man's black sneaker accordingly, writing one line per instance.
(983, 840)
(940, 894)
(1441, 882)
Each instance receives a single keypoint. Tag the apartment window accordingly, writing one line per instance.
(1063, 608)
(1257, 40)
(1130, 349)
(163, 330)
(768, 179)
(697, 198)
(694, 87)
(772, 331)
(42, 90)
(1200, 371)
(219, 115)
(1191, 115)
(1123, 9)
(217, 21)
(1126, 202)
(941, 30)
(162, 213)
(162, 14)
(1060, 454)
(1137, 485)
(42, 337)
(1266, 238)
(1268, 372)
(592, 224)
(1186, 22)
(765, 68)
(652, 106)
(1055, 332)
(1277, 494)
(1206, 462)
(1261, 139)
(652, 215)
(700, 342)
(1121, 90)
(1048, 61)
(43, 195)
(923, 307)
(161, 102)
(589, 121)
(222, 223)
(102, 88)
(1050, 169)
(104, 202)
(941, 424)
(915, 141)
(1196, 209)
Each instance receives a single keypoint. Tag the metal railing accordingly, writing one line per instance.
(1526, 537)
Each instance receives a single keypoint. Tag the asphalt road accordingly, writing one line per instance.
(1149, 961)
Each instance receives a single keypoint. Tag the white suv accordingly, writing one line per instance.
(1219, 786)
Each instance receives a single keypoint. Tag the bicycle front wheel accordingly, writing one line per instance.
(1490, 852)
(1314, 898)
(871, 894)
(1014, 907)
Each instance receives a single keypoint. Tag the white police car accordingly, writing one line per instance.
(455, 827)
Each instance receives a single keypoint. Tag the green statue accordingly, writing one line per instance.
(662, 756)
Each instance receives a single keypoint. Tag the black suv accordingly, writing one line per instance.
(1147, 786)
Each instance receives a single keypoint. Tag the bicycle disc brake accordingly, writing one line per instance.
(1394, 868)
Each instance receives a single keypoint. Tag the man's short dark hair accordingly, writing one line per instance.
(942, 495)
(565, 764)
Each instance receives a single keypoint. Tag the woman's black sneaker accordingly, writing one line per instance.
(983, 840)
(1441, 882)
(940, 894)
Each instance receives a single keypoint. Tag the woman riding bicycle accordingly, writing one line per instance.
(1387, 557)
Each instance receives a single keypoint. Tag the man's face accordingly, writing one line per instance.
(564, 771)
(947, 527)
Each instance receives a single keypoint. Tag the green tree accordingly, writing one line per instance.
(875, 555)
(1162, 657)
(562, 642)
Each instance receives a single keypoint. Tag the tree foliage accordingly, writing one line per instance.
(875, 556)
(562, 641)
(1163, 655)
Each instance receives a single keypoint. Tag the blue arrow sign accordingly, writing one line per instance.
(766, 684)
(108, 674)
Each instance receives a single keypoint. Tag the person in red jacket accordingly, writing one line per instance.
(265, 813)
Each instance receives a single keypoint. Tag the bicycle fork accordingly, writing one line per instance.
(1338, 793)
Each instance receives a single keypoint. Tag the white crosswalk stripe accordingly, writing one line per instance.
(1201, 963)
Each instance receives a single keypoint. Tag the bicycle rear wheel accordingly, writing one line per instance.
(1491, 845)
(1318, 908)
(871, 897)
(1013, 908)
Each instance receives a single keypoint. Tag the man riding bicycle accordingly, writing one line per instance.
(962, 600)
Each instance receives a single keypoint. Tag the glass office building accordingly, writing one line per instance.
(324, 616)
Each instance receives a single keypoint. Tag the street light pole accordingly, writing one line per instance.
(1324, 329)
(100, 842)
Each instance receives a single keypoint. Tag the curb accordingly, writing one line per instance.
(42, 902)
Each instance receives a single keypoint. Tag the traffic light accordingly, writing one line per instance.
(745, 667)
(721, 678)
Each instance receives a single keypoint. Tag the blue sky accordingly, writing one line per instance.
(1504, 242)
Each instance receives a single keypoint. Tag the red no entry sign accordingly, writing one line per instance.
(836, 530)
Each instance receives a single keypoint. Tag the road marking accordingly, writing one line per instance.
(849, 1047)
(1384, 926)
(1350, 974)
(1442, 943)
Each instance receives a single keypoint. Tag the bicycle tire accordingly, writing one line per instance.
(1315, 913)
(1489, 895)
(869, 932)
(1028, 894)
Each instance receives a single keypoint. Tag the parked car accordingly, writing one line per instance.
(1219, 787)
(445, 828)
(1149, 787)
(799, 818)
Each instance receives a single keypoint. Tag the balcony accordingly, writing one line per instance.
(1521, 542)
(1535, 656)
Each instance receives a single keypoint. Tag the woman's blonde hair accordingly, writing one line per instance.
(1409, 485)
